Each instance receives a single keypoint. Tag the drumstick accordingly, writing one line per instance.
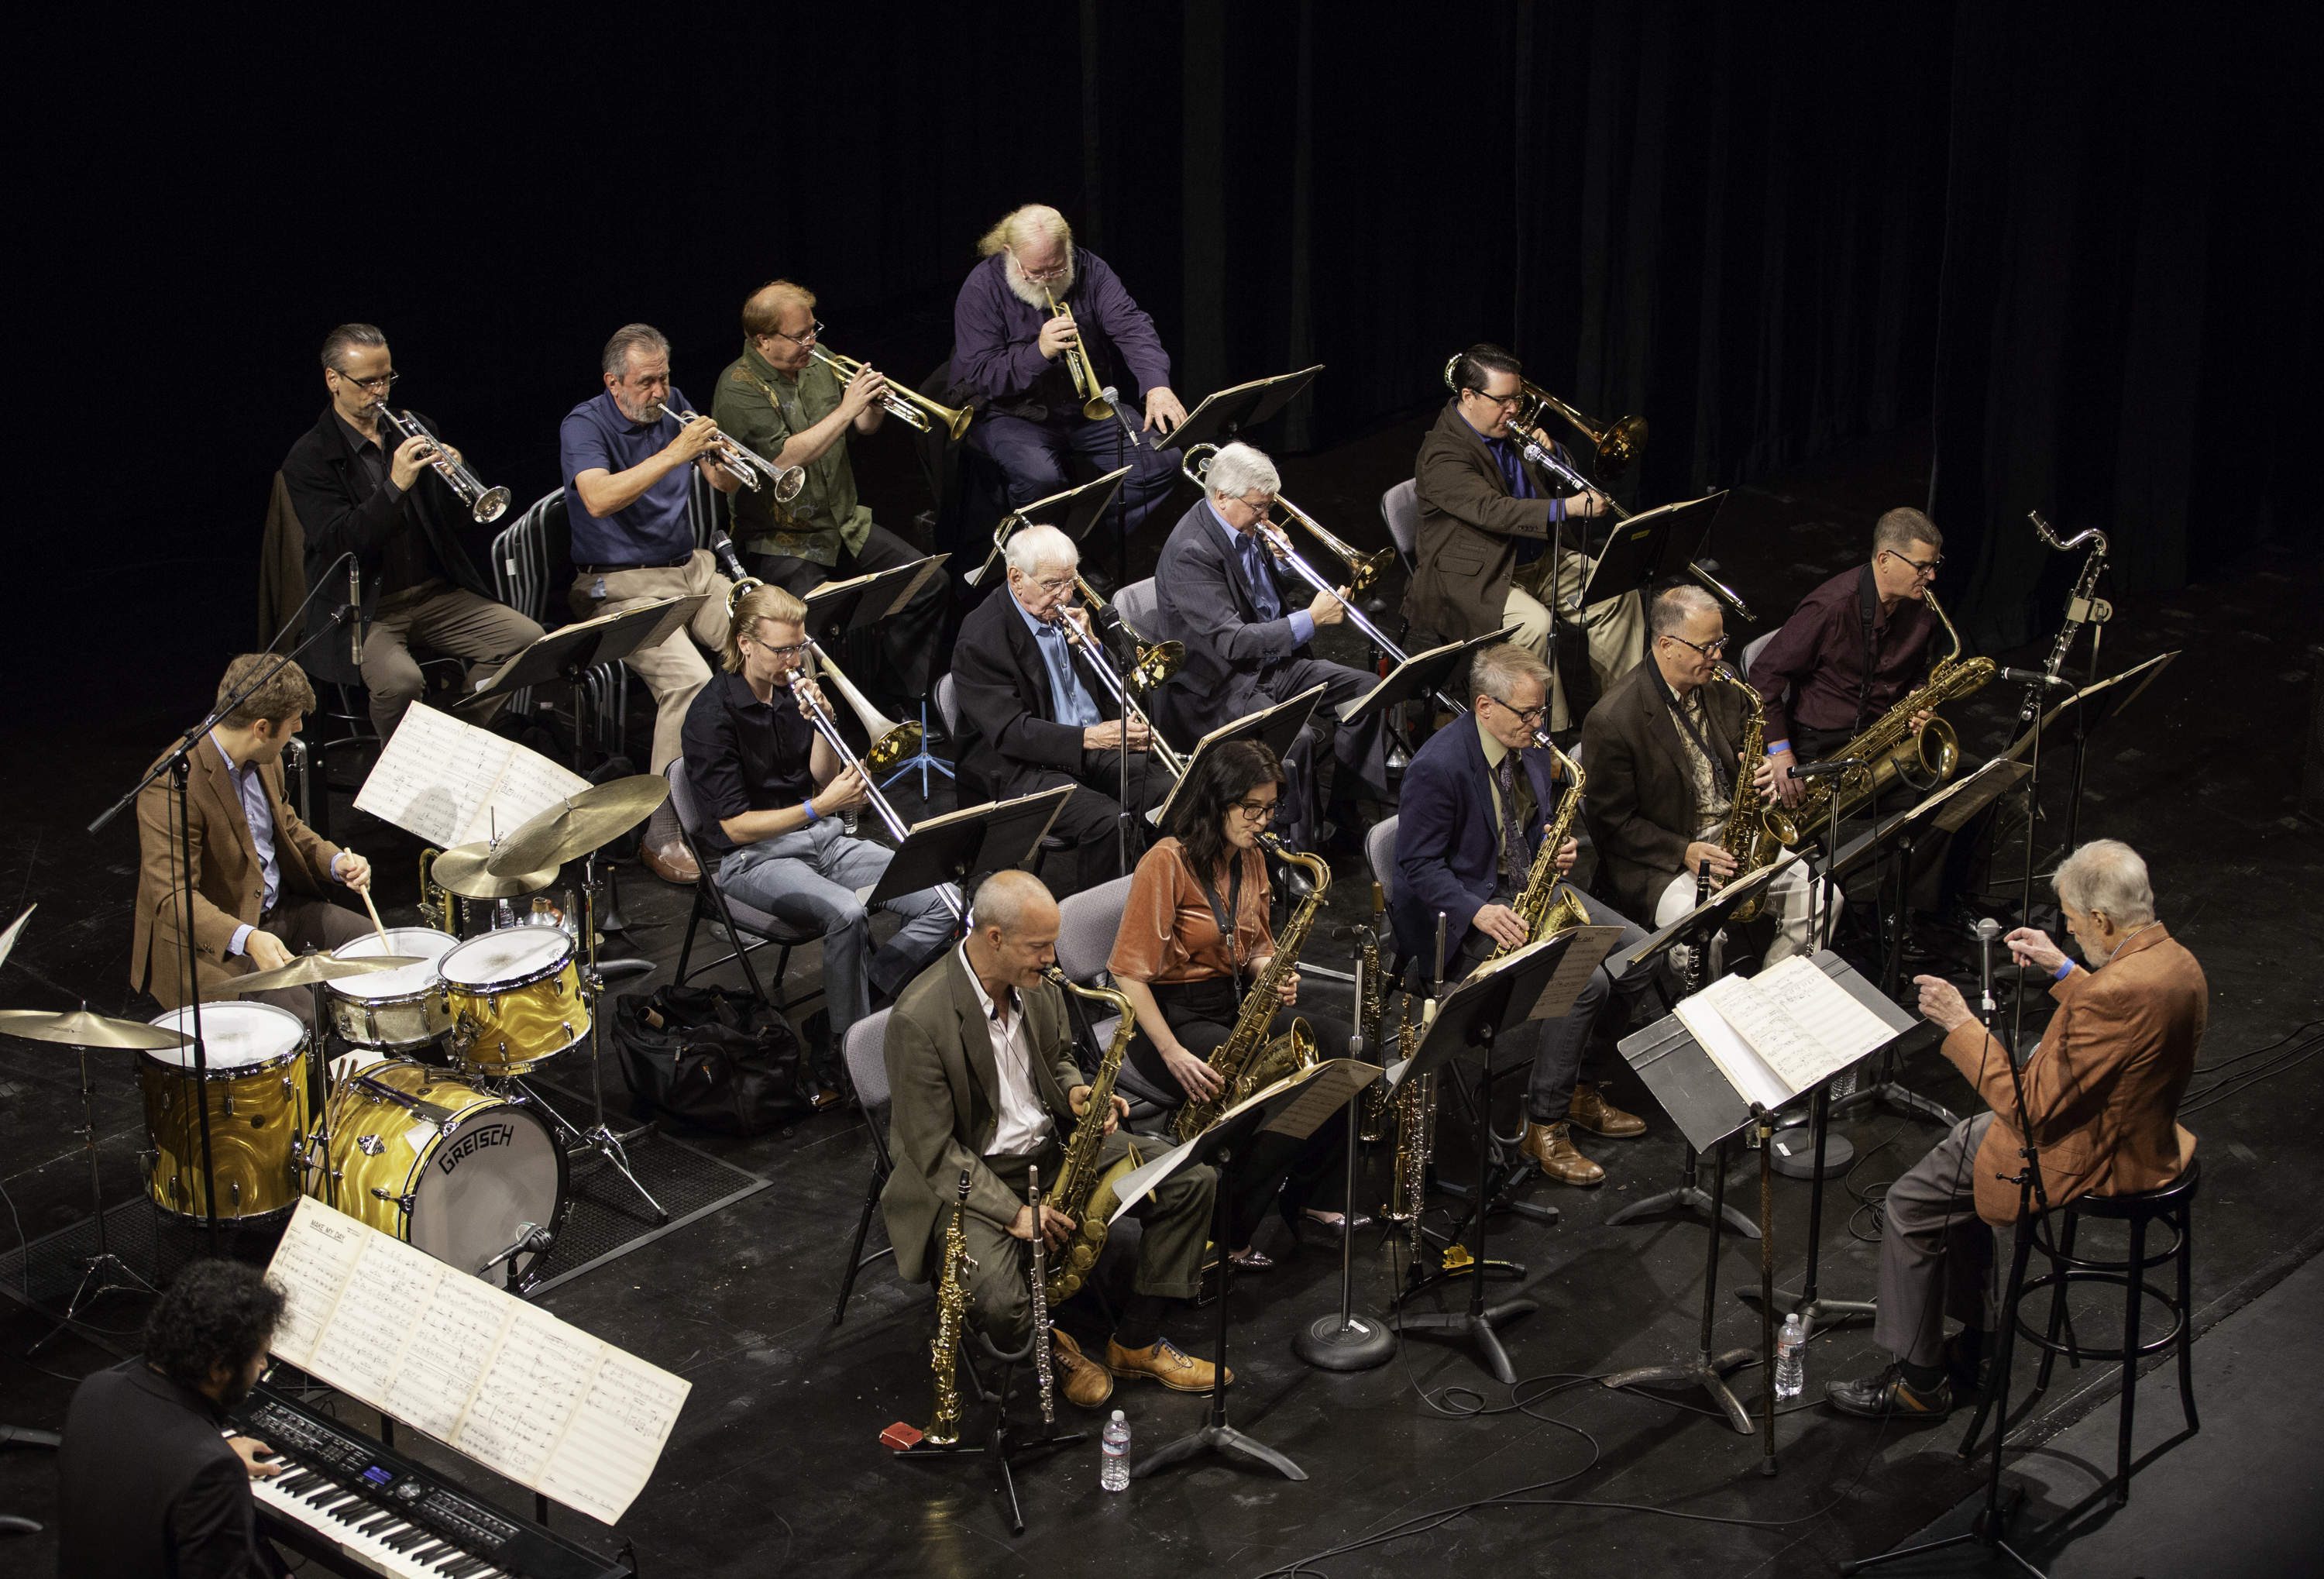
(376, 922)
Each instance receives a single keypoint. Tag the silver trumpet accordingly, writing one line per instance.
(891, 742)
(747, 468)
(1155, 665)
(484, 503)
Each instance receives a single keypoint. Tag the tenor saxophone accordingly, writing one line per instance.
(1079, 1190)
(1549, 904)
(1890, 746)
(1249, 1061)
(1746, 838)
(951, 1312)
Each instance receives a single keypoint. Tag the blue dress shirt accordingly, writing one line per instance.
(1075, 705)
(1253, 553)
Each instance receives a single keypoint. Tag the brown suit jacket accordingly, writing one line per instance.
(1469, 531)
(2103, 1088)
(230, 887)
(1640, 797)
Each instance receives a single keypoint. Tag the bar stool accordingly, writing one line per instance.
(2173, 1205)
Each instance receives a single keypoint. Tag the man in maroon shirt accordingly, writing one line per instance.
(1813, 676)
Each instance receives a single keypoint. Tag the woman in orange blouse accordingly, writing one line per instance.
(1186, 977)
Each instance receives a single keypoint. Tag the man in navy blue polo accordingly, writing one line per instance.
(628, 467)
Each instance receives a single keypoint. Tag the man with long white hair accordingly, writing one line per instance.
(1010, 346)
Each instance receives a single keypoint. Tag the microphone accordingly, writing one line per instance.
(2034, 677)
(1988, 932)
(1111, 396)
(1825, 770)
(531, 1236)
(355, 612)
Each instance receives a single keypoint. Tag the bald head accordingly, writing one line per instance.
(1016, 935)
(1012, 901)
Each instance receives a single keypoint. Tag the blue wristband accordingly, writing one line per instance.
(1778, 748)
(2063, 971)
(813, 816)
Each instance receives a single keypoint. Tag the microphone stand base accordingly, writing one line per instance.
(1359, 1343)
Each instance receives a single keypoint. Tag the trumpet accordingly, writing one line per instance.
(891, 742)
(484, 504)
(746, 467)
(903, 405)
(1155, 665)
(1094, 405)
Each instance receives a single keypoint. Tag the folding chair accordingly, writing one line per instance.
(740, 920)
(869, 1071)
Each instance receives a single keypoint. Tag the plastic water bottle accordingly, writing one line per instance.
(1115, 1475)
(1791, 1357)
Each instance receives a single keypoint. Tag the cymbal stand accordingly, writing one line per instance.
(317, 1145)
(601, 1137)
(105, 1270)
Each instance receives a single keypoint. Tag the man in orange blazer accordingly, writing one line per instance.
(260, 874)
(2101, 1093)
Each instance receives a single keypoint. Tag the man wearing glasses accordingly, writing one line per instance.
(778, 399)
(1662, 749)
(1489, 519)
(1034, 715)
(1851, 649)
(1476, 805)
(387, 505)
(628, 467)
(1008, 356)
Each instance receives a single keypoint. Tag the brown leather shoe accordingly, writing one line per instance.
(1592, 1111)
(671, 864)
(1550, 1146)
(1086, 1382)
(1165, 1363)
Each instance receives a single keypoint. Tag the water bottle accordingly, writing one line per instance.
(1791, 1357)
(1115, 1475)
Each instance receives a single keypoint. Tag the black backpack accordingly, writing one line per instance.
(715, 1061)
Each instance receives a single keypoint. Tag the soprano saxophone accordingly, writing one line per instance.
(1549, 904)
(1372, 1123)
(1044, 1366)
(1249, 1061)
(1080, 1191)
(952, 1313)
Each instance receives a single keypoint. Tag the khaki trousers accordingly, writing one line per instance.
(451, 620)
(299, 925)
(1791, 899)
(675, 673)
(1617, 627)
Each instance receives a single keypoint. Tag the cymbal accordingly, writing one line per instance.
(574, 827)
(461, 869)
(308, 969)
(80, 1028)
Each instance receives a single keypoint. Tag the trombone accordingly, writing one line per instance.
(1155, 665)
(891, 742)
(744, 465)
(1094, 405)
(903, 405)
(484, 504)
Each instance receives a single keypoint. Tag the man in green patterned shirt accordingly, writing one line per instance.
(793, 409)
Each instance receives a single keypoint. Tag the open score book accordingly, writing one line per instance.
(452, 783)
(1782, 1031)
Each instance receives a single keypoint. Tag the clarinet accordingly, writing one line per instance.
(2080, 608)
(1043, 1367)
(1698, 953)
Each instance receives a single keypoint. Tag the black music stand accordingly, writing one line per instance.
(964, 845)
(1074, 512)
(839, 608)
(2079, 717)
(563, 656)
(1651, 544)
(1472, 1016)
(1277, 727)
(1422, 675)
(1222, 416)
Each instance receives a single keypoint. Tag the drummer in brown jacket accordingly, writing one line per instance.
(260, 874)
(2102, 1093)
(1486, 558)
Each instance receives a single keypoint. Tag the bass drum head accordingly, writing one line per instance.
(496, 1171)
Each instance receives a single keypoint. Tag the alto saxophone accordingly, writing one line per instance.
(1890, 745)
(1248, 1061)
(1080, 1191)
(1746, 838)
(1549, 904)
(951, 1312)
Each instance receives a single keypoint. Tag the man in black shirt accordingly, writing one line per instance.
(769, 789)
(146, 1486)
(352, 492)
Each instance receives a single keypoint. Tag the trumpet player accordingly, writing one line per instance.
(1013, 352)
(782, 401)
(628, 466)
(1493, 551)
(352, 492)
(1033, 715)
(770, 790)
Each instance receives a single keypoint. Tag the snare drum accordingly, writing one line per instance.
(396, 1010)
(514, 997)
(452, 1170)
(255, 1085)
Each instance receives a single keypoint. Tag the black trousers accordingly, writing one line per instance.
(908, 642)
(1091, 816)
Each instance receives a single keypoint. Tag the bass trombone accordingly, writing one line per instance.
(891, 742)
(744, 465)
(1094, 405)
(905, 405)
(484, 504)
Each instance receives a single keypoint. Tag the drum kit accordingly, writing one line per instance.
(459, 1158)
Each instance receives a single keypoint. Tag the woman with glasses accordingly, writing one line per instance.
(1193, 934)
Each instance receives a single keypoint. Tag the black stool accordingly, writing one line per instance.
(2171, 1205)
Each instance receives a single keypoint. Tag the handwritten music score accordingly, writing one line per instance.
(522, 1393)
(452, 783)
(1782, 1031)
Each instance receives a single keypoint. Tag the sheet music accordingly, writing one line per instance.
(1825, 1010)
(452, 783)
(1745, 1069)
(1591, 945)
(1326, 1093)
(478, 1369)
(529, 785)
(1783, 1031)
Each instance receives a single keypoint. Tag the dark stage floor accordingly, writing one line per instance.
(775, 1465)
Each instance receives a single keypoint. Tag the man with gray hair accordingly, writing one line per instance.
(1218, 591)
(1034, 714)
(628, 467)
(2101, 1096)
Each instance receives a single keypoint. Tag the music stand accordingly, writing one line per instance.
(2079, 716)
(1278, 726)
(954, 848)
(566, 654)
(1222, 416)
(1421, 674)
(1085, 506)
(1650, 544)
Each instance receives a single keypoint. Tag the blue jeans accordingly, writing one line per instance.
(1033, 456)
(808, 878)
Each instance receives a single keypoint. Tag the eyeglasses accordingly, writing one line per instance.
(1039, 275)
(814, 333)
(1260, 509)
(771, 650)
(370, 386)
(1928, 569)
(1510, 401)
(1053, 587)
(1530, 716)
(1708, 649)
(1254, 810)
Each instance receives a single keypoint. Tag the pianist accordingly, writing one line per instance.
(147, 1486)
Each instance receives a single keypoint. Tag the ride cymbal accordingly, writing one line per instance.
(462, 870)
(580, 824)
(80, 1028)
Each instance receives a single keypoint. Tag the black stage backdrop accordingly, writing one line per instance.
(1770, 228)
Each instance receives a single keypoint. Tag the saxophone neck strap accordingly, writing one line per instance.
(1230, 916)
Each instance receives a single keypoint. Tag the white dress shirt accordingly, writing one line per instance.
(1024, 1121)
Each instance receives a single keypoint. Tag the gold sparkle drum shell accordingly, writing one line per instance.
(254, 1083)
(514, 997)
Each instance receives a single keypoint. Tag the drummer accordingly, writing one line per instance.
(260, 874)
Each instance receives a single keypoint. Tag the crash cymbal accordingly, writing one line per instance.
(308, 969)
(80, 1028)
(574, 826)
(461, 869)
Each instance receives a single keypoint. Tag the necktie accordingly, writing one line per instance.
(1516, 855)
(1262, 585)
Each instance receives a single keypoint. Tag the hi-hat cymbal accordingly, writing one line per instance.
(461, 869)
(80, 1028)
(308, 969)
(574, 826)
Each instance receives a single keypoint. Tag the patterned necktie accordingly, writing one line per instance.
(1516, 855)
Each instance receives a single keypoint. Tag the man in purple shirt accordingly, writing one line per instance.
(1009, 352)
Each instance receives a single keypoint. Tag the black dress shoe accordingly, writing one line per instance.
(1967, 1362)
(1878, 1397)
